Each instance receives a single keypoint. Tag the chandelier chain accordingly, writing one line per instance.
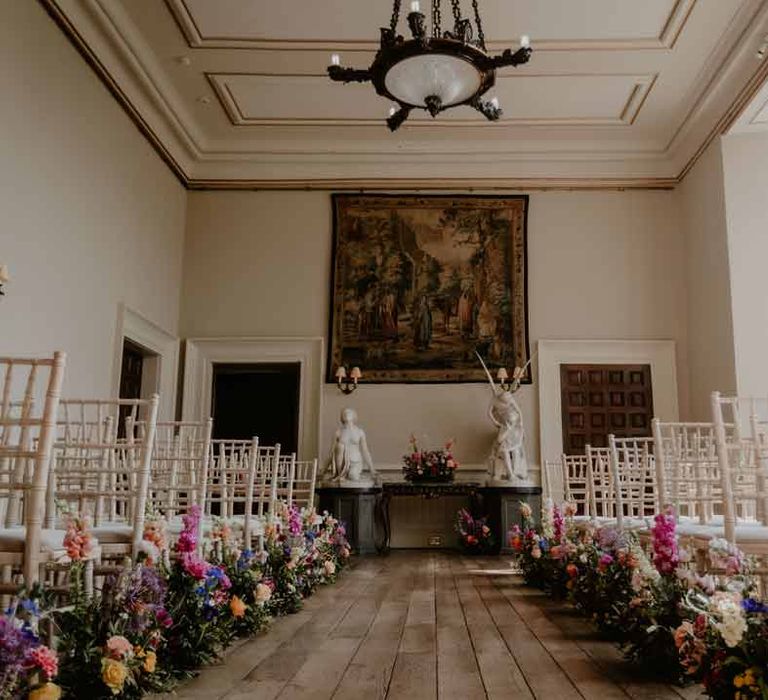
(436, 18)
(480, 34)
(395, 16)
(456, 6)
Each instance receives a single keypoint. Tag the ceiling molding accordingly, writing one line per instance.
(440, 184)
(666, 39)
(188, 179)
(641, 86)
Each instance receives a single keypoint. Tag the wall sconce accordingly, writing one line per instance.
(347, 383)
(503, 376)
(4, 278)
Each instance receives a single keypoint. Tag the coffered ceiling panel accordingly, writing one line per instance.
(234, 92)
(313, 100)
(228, 23)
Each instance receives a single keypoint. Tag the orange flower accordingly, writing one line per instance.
(237, 606)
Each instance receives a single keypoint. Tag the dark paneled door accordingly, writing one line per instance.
(598, 400)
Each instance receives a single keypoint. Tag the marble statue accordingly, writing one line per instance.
(350, 462)
(508, 463)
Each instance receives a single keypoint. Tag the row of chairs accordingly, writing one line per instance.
(114, 463)
(714, 475)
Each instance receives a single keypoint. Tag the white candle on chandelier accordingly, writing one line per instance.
(415, 6)
(525, 41)
(392, 111)
(495, 105)
(335, 59)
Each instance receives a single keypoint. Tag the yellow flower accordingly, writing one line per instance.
(113, 673)
(48, 691)
(150, 662)
(237, 606)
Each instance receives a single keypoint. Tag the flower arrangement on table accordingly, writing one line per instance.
(682, 625)
(429, 465)
(475, 537)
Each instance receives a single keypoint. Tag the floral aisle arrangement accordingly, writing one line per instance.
(176, 609)
(429, 465)
(683, 625)
(475, 537)
(28, 667)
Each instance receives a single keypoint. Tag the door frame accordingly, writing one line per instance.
(200, 354)
(161, 367)
(659, 354)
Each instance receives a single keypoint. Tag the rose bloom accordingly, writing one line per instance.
(345, 553)
(119, 647)
(329, 567)
(47, 691)
(46, 660)
(113, 673)
(237, 606)
(262, 593)
(572, 570)
(150, 662)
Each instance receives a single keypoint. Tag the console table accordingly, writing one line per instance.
(365, 511)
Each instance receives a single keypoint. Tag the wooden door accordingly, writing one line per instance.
(598, 400)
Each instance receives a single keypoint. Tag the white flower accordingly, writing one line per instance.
(525, 511)
(732, 621)
(547, 519)
(262, 593)
(329, 567)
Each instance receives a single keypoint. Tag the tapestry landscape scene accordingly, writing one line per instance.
(421, 283)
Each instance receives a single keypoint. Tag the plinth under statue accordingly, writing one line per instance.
(350, 464)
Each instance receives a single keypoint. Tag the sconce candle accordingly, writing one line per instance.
(347, 383)
(4, 277)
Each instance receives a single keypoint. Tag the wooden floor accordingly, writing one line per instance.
(428, 625)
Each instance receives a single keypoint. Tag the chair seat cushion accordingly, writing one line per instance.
(12, 540)
(113, 533)
(749, 532)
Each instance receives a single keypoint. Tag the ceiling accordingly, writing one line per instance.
(234, 93)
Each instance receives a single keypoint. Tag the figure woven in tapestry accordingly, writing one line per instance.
(421, 283)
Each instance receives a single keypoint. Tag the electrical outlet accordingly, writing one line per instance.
(434, 541)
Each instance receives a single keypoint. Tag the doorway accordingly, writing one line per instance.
(257, 399)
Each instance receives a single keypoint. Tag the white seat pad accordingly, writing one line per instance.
(12, 540)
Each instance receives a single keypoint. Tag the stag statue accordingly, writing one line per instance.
(507, 462)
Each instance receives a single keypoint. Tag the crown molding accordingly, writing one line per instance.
(188, 157)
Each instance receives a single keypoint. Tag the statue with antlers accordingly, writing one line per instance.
(508, 462)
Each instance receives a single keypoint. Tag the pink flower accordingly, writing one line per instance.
(664, 541)
(604, 562)
(187, 541)
(119, 647)
(195, 566)
(46, 660)
(78, 541)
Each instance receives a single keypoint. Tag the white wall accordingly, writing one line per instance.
(745, 161)
(701, 198)
(91, 216)
(601, 265)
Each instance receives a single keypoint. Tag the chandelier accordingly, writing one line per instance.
(436, 71)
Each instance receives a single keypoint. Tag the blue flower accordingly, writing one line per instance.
(751, 605)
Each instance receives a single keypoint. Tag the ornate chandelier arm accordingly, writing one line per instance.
(510, 58)
(395, 120)
(349, 75)
(489, 109)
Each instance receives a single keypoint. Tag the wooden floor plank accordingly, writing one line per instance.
(426, 625)
(369, 673)
(415, 671)
(458, 675)
(500, 673)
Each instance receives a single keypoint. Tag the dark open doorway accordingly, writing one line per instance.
(257, 399)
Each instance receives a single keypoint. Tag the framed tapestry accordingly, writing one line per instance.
(422, 282)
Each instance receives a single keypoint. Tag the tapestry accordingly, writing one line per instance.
(420, 283)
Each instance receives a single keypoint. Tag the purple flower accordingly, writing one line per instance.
(558, 524)
(187, 541)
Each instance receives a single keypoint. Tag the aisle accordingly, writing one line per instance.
(423, 625)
